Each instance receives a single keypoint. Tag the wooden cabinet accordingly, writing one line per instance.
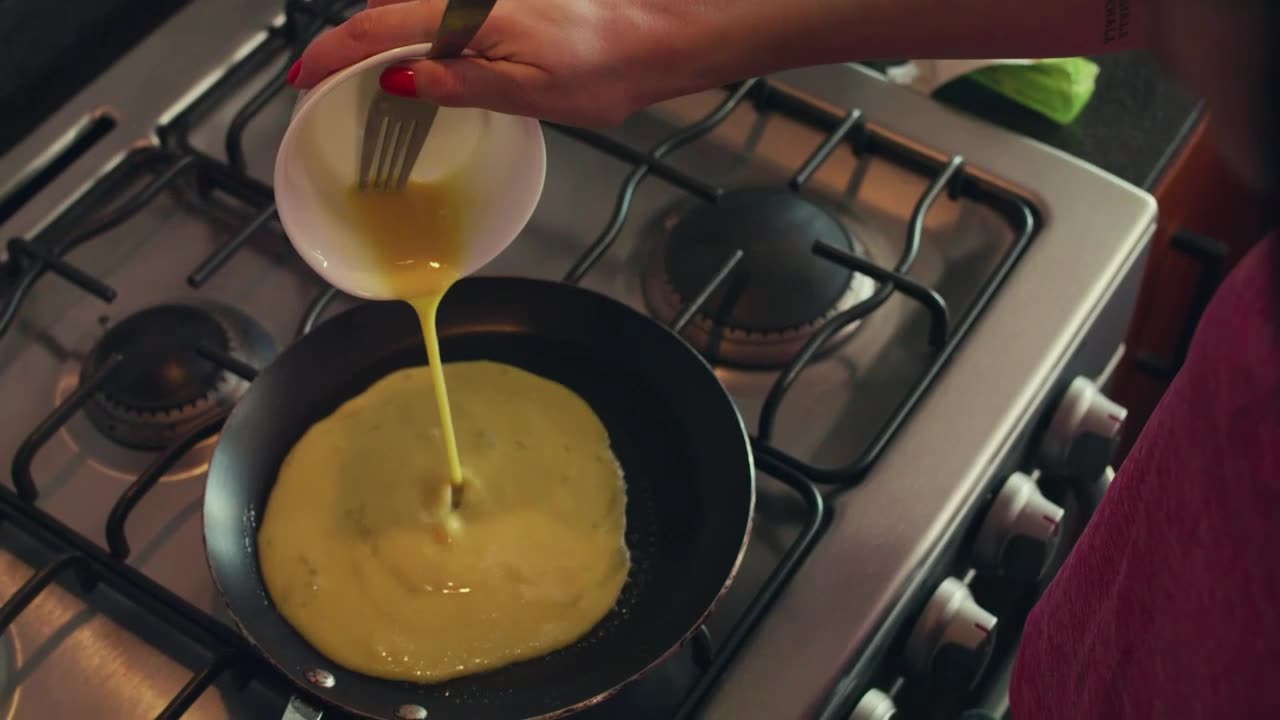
(1207, 220)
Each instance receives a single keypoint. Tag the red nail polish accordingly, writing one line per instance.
(399, 81)
(294, 70)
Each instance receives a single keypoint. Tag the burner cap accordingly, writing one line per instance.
(161, 369)
(164, 388)
(775, 297)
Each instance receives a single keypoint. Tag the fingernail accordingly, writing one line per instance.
(398, 81)
(293, 72)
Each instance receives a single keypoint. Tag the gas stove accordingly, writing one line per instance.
(914, 311)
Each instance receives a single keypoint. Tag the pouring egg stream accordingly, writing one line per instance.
(364, 547)
(420, 267)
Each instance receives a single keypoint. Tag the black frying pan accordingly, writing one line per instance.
(674, 429)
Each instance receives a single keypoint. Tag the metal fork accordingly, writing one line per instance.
(396, 128)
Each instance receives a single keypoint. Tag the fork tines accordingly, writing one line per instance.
(394, 133)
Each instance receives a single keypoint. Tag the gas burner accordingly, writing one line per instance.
(164, 388)
(775, 297)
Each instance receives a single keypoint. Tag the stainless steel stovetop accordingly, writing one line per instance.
(854, 555)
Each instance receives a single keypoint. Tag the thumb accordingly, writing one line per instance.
(498, 85)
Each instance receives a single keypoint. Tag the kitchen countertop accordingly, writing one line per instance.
(1137, 119)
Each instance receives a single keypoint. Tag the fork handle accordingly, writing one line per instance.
(458, 26)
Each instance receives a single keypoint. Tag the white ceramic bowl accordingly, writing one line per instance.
(501, 158)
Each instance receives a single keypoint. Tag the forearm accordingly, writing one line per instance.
(986, 28)
(826, 31)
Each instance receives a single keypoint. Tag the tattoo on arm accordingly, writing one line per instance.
(1115, 23)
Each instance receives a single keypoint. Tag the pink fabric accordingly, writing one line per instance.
(1170, 605)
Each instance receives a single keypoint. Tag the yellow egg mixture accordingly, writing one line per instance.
(361, 546)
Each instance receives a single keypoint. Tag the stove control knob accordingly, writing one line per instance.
(1083, 432)
(1091, 493)
(1020, 531)
(874, 705)
(953, 638)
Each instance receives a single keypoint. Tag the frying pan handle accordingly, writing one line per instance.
(300, 710)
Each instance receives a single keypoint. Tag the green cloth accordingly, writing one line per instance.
(1056, 88)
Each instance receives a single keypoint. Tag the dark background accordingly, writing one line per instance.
(50, 49)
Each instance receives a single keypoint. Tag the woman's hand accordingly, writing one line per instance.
(583, 62)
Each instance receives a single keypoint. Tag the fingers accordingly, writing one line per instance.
(381, 27)
(501, 86)
(498, 85)
(380, 3)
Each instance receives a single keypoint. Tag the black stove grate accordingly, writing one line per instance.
(176, 160)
